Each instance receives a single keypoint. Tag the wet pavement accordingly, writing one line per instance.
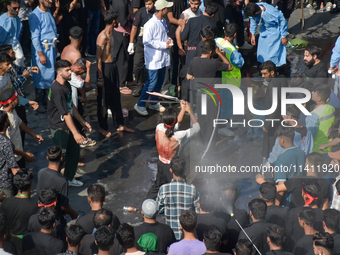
(126, 162)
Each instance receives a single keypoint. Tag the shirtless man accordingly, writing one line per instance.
(169, 141)
(108, 95)
(71, 53)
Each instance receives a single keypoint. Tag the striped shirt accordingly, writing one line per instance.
(175, 197)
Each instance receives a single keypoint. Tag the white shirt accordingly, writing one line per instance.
(188, 14)
(76, 83)
(155, 38)
(2, 252)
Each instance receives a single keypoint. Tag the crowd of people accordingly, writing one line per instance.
(159, 46)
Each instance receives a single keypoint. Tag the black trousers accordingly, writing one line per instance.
(41, 96)
(121, 43)
(111, 96)
(78, 126)
(235, 16)
(21, 111)
(163, 176)
(139, 64)
(25, 40)
(190, 54)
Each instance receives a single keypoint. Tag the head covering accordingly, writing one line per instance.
(7, 96)
(310, 198)
(161, 4)
(171, 125)
(148, 242)
(149, 208)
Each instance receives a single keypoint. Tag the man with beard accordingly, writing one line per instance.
(60, 110)
(44, 36)
(268, 70)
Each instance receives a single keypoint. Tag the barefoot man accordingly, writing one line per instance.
(108, 95)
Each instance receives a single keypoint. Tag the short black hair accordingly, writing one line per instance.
(46, 217)
(74, 234)
(3, 226)
(267, 65)
(315, 159)
(102, 217)
(96, 193)
(3, 119)
(287, 132)
(81, 62)
(13, 1)
(126, 236)
(76, 32)
(331, 218)
(62, 63)
(212, 238)
(243, 247)
(207, 202)
(210, 9)
(307, 215)
(251, 9)
(47, 196)
(276, 235)
(177, 165)
(4, 57)
(104, 237)
(268, 191)
(323, 91)
(23, 179)
(258, 208)
(149, 0)
(314, 190)
(313, 50)
(293, 110)
(110, 16)
(5, 47)
(54, 153)
(208, 45)
(169, 117)
(188, 220)
(324, 240)
(230, 29)
(207, 32)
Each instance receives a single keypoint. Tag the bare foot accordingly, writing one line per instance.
(105, 132)
(123, 128)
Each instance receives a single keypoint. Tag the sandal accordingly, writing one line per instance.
(125, 90)
(88, 143)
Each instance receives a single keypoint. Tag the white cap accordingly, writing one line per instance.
(161, 4)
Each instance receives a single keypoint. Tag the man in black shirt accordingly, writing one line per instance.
(18, 209)
(163, 232)
(102, 217)
(96, 198)
(142, 16)
(74, 234)
(136, 5)
(323, 243)
(275, 239)
(50, 177)
(331, 226)
(43, 240)
(191, 32)
(212, 240)
(306, 220)
(257, 231)
(275, 214)
(206, 216)
(60, 111)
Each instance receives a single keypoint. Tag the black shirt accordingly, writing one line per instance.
(89, 247)
(59, 104)
(295, 184)
(18, 212)
(278, 252)
(137, 3)
(192, 29)
(319, 71)
(44, 243)
(177, 9)
(57, 232)
(204, 220)
(219, 18)
(142, 16)
(121, 7)
(304, 245)
(277, 215)
(92, 4)
(257, 231)
(206, 67)
(86, 222)
(163, 232)
(336, 247)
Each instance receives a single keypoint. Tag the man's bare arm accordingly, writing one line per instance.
(101, 41)
(172, 19)
(133, 33)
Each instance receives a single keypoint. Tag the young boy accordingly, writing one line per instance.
(322, 118)
(126, 238)
(189, 244)
(9, 101)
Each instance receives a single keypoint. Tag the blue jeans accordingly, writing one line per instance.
(93, 30)
(153, 84)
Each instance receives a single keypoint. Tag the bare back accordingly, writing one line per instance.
(71, 54)
(167, 148)
(104, 41)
